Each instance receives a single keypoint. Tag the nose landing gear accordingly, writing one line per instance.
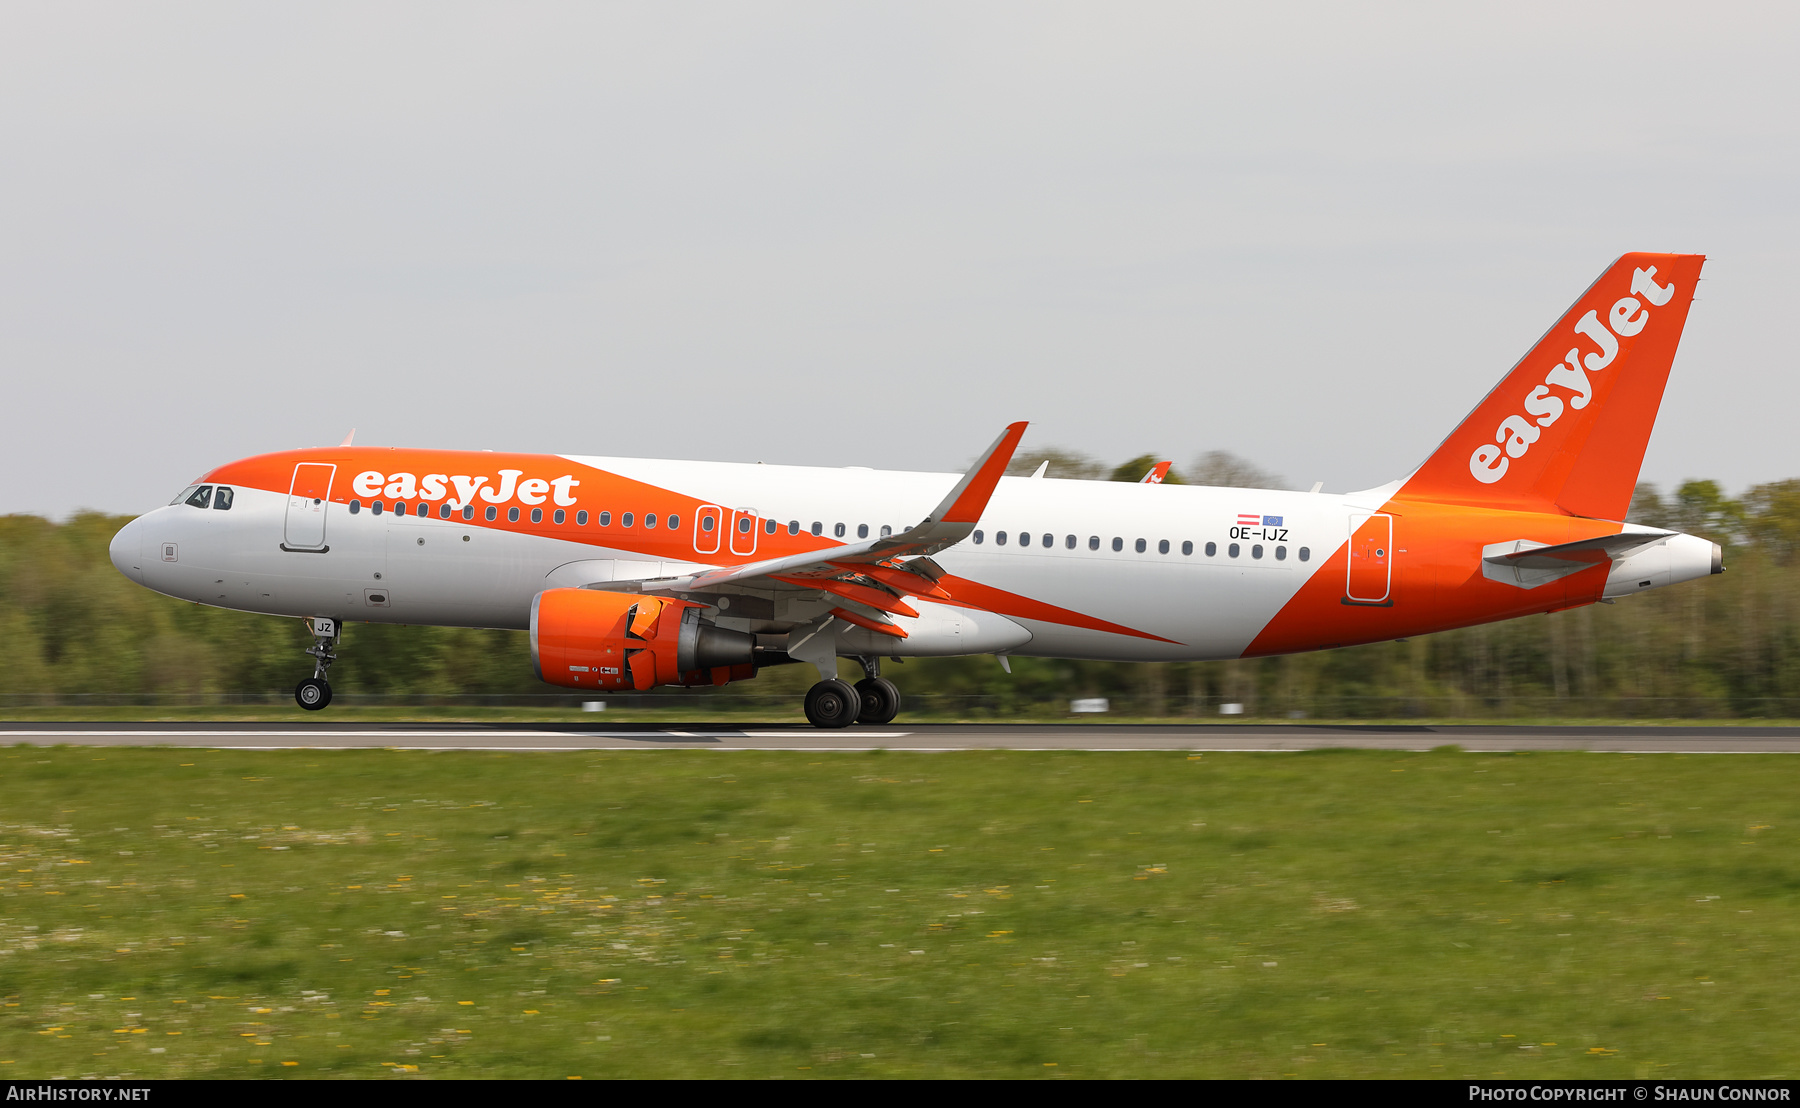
(314, 693)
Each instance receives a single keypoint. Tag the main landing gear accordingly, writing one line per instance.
(314, 693)
(836, 703)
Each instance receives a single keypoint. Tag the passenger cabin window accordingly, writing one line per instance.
(537, 515)
(978, 536)
(1281, 553)
(625, 520)
(649, 520)
(399, 508)
(837, 529)
(200, 497)
(355, 507)
(581, 518)
(1232, 550)
(999, 538)
(1093, 542)
(1162, 547)
(512, 515)
(444, 511)
(1187, 548)
(674, 523)
(1305, 554)
(818, 528)
(886, 530)
(793, 527)
(604, 519)
(468, 511)
(558, 516)
(1212, 548)
(1140, 546)
(743, 525)
(1069, 541)
(1256, 551)
(491, 514)
(1118, 544)
(222, 497)
(377, 507)
(862, 530)
(769, 526)
(1049, 540)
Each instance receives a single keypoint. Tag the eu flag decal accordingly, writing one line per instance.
(1271, 521)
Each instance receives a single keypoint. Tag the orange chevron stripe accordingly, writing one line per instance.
(972, 594)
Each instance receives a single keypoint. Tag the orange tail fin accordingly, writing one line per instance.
(1567, 428)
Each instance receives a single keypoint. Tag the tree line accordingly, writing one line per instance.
(70, 624)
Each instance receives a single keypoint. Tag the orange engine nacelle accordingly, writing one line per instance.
(586, 639)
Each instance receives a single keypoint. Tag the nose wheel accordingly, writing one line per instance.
(314, 693)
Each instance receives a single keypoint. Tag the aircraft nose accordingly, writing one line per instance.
(127, 550)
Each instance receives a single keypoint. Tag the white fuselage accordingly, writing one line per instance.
(405, 569)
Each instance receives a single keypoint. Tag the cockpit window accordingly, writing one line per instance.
(184, 494)
(201, 496)
(222, 498)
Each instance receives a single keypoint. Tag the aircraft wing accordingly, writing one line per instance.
(870, 575)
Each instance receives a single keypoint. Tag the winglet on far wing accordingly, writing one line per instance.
(1157, 472)
(970, 496)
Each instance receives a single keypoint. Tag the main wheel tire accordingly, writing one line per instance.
(832, 703)
(880, 700)
(312, 694)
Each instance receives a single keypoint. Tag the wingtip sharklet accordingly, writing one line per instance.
(949, 523)
(969, 498)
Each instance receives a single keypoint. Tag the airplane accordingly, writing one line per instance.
(637, 573)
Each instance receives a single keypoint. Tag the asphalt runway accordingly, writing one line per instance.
(925, 737)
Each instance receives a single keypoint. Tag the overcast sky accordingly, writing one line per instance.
(866, 234)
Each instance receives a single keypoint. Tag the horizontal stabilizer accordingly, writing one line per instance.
(1528, 563)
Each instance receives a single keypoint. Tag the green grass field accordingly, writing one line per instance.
(173, 913)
